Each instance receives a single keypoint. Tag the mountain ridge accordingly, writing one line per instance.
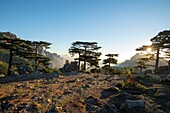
(134, 59)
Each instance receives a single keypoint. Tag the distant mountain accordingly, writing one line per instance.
(134, 59)
(57, 61)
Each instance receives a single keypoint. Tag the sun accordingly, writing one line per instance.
(149, 49)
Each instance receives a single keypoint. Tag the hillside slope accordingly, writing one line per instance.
(84, 93)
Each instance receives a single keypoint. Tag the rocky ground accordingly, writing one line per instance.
(84, 93)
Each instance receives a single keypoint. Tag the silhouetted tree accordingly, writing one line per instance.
(87, 52)
(92, 58)
(39, 59)
(149, 54)
(142, 63)
(110, 60)
(16, 46)
(161, 41)
(74, 50)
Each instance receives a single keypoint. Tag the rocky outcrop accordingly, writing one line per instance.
(8, 34)
(72, 67)
(134, 106)
(162, 70)
(148, 71)
(108, 92)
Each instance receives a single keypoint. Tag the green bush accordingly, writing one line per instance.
(128, 71)
(117, 72)
(3, 68)
(57, 71)
(47, 70)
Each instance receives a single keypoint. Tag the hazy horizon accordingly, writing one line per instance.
(119, 26)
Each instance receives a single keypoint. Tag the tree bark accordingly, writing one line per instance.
(169, 63)
(141, 70)
(85, 59)
(79, 63)
(10, 63)
(157, 59)
(109, 68)
(36, 53)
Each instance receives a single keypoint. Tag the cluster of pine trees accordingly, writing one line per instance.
(87, 52)
(25, 49)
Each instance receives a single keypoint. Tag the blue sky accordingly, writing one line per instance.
(119, 26)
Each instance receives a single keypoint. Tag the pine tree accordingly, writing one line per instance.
(161, 41)
(16, 47)
(87, 52)
(39, 59)
(110, 60)
(142, 63)
(149, 54)
(74, 50)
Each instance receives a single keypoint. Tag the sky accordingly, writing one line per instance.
(118, 26)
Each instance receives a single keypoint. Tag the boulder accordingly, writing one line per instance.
(168, 104)
(162, 70)
(72, 67)
(149, 71)
(168, 77)
(93, 105)
(161, 94)
(130, 104)
(133, 106)
(109, 92)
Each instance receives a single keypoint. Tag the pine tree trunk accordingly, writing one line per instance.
(157, 59)
(36, 54)
(85, 59)
(10, 63)
(35, 64)
(169, 63)
(79, 63)
(141, 70)
(109, 68)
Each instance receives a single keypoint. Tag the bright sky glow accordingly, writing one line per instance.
(119, 26)
(149, 50)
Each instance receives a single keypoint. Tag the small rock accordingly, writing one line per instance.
(159, 111)
(160, 94)
(86, 87)
(94, 83)
(78, 80)
(148, 72)
(93, 105)
(2, 75)
(59, 108)
(49, 100)
(91, 100)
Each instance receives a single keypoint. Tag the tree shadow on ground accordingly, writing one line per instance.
(9, 79)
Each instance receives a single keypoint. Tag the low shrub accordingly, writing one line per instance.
(3, 68)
